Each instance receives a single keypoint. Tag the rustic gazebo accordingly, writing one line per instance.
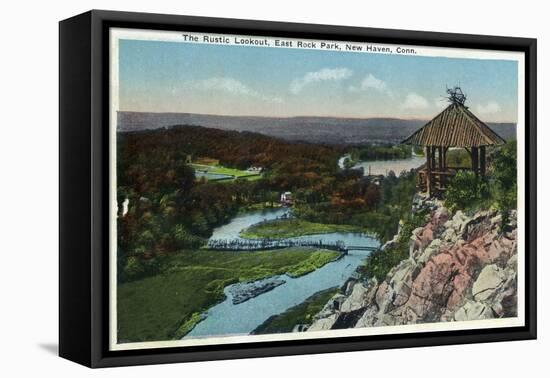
(456, 126)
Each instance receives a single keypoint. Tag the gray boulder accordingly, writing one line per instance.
(488, 283)
(473, 311)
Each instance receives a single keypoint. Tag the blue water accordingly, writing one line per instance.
(383, 167)
(212, 176)
(226, 319)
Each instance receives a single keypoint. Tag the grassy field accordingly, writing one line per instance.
(167, 306)
(300, 314)
(221, 170)
(287, 228)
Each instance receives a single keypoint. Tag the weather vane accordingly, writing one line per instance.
(456, 96)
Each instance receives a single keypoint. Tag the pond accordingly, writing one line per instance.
(227, 318)
(212, 176)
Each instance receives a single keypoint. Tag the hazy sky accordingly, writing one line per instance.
(237, 80)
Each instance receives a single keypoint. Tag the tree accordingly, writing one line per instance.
(372, 196)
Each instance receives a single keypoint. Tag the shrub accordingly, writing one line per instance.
(505, 189)
(498, 189)
(184, 239)
(132, 268)
(466, 191)
(380, 262)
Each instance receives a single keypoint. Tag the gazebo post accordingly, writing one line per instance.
(440, 167)
(456, 126)
(429, 170)
(475, 160)
(482, 161)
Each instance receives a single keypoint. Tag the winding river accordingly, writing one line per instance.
(226, 318)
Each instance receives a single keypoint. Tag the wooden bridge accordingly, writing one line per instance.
(360, 248)
(266, 244)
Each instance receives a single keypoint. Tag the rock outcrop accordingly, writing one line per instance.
(242, 292)
(460, 268)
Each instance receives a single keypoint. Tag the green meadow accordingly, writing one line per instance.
(288, 228)
(221, 170)
(168, 305)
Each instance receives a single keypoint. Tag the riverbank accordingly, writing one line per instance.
(261, 206)
(289, 228)
(302, 281)
(297, 316)
(461, 267)
(168, 305)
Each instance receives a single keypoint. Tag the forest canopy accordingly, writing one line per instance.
(170, 209)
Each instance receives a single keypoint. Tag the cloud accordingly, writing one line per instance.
(415, 101)
(371, 82)
(225, 84)
(232, 86)
(325, 74)
(491, 107)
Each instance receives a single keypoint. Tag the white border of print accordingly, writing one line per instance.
(116, 34)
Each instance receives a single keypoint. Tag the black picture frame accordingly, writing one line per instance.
(83, 181)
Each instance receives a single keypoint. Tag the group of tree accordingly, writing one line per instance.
(164, 209)
(374, 203)
(170, 210)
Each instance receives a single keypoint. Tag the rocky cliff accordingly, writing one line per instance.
(460, 268)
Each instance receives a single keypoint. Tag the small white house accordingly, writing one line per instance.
(286, 198)
(255, 170)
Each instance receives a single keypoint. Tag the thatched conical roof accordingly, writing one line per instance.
(456, 126)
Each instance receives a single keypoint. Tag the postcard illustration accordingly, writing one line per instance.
(271, 188)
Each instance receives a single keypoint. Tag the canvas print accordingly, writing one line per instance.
(271, 188)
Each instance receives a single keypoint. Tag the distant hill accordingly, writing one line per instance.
(311, 129)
